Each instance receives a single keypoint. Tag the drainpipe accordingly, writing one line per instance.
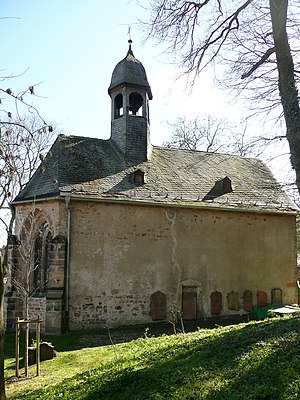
(66, 322)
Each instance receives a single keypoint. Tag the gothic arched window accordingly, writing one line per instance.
(41, 259)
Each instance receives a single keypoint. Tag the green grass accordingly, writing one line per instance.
(255, 360)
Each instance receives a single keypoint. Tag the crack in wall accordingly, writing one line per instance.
(176, 267)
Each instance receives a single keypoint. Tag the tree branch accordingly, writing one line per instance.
(259, 63)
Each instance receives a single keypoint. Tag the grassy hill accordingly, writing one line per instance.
(255, 360)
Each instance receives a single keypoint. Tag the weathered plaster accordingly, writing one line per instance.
(120, 255)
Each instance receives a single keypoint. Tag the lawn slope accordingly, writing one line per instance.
(256, 360)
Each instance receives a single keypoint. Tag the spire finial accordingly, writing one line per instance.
(129, 36)
(129, 41)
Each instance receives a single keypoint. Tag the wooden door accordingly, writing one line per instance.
(189, 303)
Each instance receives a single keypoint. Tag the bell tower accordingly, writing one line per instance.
(130, 93)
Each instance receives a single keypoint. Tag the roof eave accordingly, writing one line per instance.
(158, 203)
(42, 197)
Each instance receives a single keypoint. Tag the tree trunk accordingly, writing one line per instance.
(2, 383)
(286, 82)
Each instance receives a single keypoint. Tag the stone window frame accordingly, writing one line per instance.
(39, 225)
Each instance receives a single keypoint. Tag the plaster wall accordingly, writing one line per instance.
(121, 254)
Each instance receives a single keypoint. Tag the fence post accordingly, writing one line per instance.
(26, 345)
(17, 346)
(38, 330)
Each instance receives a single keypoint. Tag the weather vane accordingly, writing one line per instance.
(129, 35)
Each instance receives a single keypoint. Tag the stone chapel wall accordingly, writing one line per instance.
(49, 304)
(121, 255)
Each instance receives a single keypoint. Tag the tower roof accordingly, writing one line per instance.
(130, 70)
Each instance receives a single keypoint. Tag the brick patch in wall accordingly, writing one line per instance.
(108, 310)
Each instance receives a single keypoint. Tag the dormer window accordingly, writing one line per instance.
(227, 187)
(137, 177)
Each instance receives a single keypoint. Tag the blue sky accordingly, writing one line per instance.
(72, 46)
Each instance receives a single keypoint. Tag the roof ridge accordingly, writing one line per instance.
(207, 152)
(62, 135)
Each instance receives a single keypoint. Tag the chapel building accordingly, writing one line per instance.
(124, 232)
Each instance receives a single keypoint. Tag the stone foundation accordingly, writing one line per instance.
(37, 308)
(55, 311)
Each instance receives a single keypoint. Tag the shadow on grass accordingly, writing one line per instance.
(219, 366)
(103, 337)
(210, 370)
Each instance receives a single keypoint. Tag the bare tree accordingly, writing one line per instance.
(258, 40)
(23, 145)
(199, 133)
(27, 273)
(2, 383)
(212, 134)
(13, 104)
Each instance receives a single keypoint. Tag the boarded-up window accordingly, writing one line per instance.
(276, 296)
(216, 302)
(158, 306)
(262, 299)
(233, 301)
(189, 302)
(247, 300)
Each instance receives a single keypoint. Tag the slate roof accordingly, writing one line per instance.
(130, 70)
(89, 168)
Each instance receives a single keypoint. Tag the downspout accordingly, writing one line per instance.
(67, 278)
